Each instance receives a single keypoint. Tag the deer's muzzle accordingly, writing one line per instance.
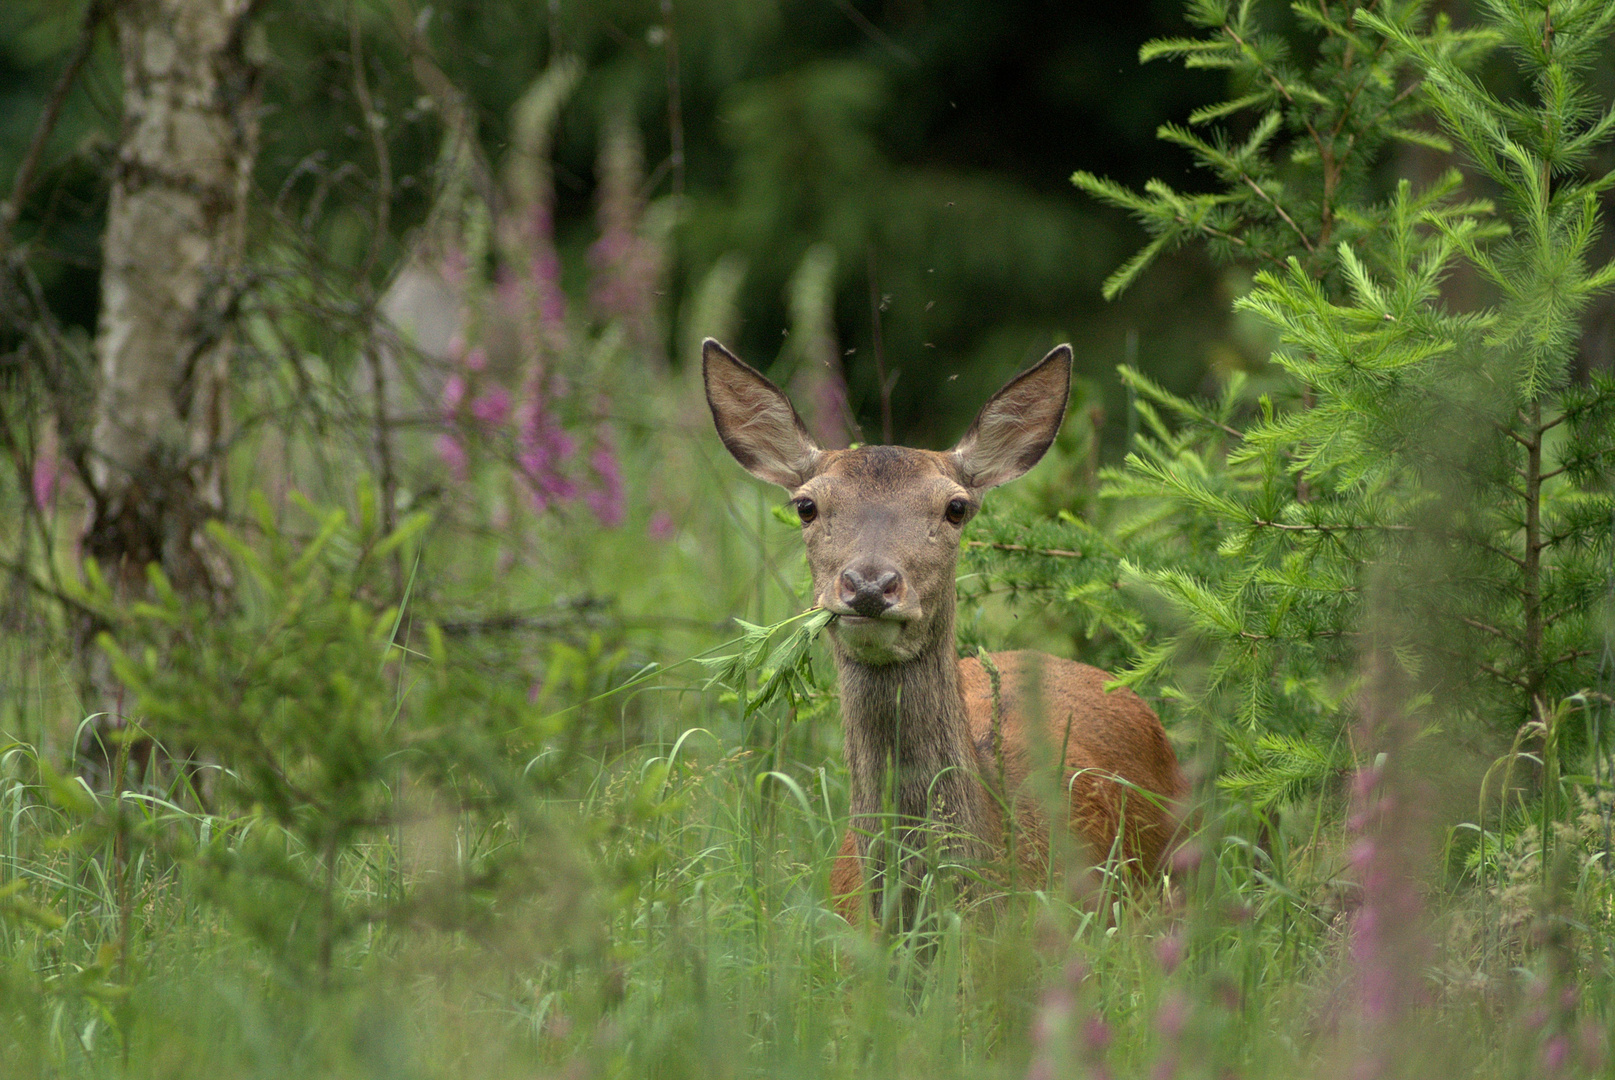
(871, 590)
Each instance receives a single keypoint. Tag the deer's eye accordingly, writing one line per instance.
(807, 510)
(957, 509)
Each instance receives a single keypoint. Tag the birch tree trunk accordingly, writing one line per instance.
(169, 286)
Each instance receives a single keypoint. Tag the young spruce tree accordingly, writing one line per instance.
(1452, 456)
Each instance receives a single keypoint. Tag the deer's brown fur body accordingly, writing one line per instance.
(934, 749)
(1096, 735)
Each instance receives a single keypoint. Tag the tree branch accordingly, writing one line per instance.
(1057, 553)
(24, 180)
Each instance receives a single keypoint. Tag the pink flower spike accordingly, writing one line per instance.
(492, 407)
(1186, 860)
(1591, 1037)
(1555, 1052)
(661, 526)
(453, 455)
(453, 266)
(1169, 952)
(47, 475)
(607, 500)
(477, 359)
(453, 394)
(1173, 1015)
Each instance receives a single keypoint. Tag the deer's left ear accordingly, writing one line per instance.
(1018, 425)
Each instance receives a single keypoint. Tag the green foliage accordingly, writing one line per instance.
(456, 811)
(1300, 183)
(786, 669)
(1405, 468)
(307, 726)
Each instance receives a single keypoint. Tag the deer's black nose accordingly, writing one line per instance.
(871, 589)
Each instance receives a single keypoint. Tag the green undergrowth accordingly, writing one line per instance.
(410, 851)
(662, 911)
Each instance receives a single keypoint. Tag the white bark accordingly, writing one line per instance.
(170, 278)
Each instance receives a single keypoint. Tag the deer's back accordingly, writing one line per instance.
(1045, 705)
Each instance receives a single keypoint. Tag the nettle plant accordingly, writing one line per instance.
(1455, 454)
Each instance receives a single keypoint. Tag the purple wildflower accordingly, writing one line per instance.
(453, 266)
(47, 470)
(1555, 1052)
(537, 300)
(453, 395)
(546, 274)
(1387, 943)
(1173, 1015)
(1057, 1006)
(627, 266)
(661, 526)
(606, 499)
(819, 385)
(452, 451)
(1067, 1040)
(1169, 952)
(542, 448)
(1590, 1034)
(1186, 860)
(492, 406)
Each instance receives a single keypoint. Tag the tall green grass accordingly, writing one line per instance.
(669, 918)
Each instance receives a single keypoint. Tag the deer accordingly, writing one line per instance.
(940, 745)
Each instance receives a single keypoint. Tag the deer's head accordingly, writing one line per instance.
(882, 523)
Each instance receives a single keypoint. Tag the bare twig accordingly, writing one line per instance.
(373, 122)
(1279, 210)
(1282, 526)
(875, 33)
(675, 108)
(880, 353)
(24, 179)
(1058, 553)
(367, 291)
(1488, 629)
(450, 102)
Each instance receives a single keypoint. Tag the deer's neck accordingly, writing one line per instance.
(908, 741)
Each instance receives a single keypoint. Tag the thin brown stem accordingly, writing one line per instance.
(374, 123)
(1286, 527)
(1057, 553)
(675, 106)
(875, 305)
(1531, 569)
(372, 352)
(1280, 211)
(23, 181)
(1489, 629)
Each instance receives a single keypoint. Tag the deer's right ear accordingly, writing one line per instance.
(755, 419)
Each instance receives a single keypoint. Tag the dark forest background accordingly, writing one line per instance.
(930, 142)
